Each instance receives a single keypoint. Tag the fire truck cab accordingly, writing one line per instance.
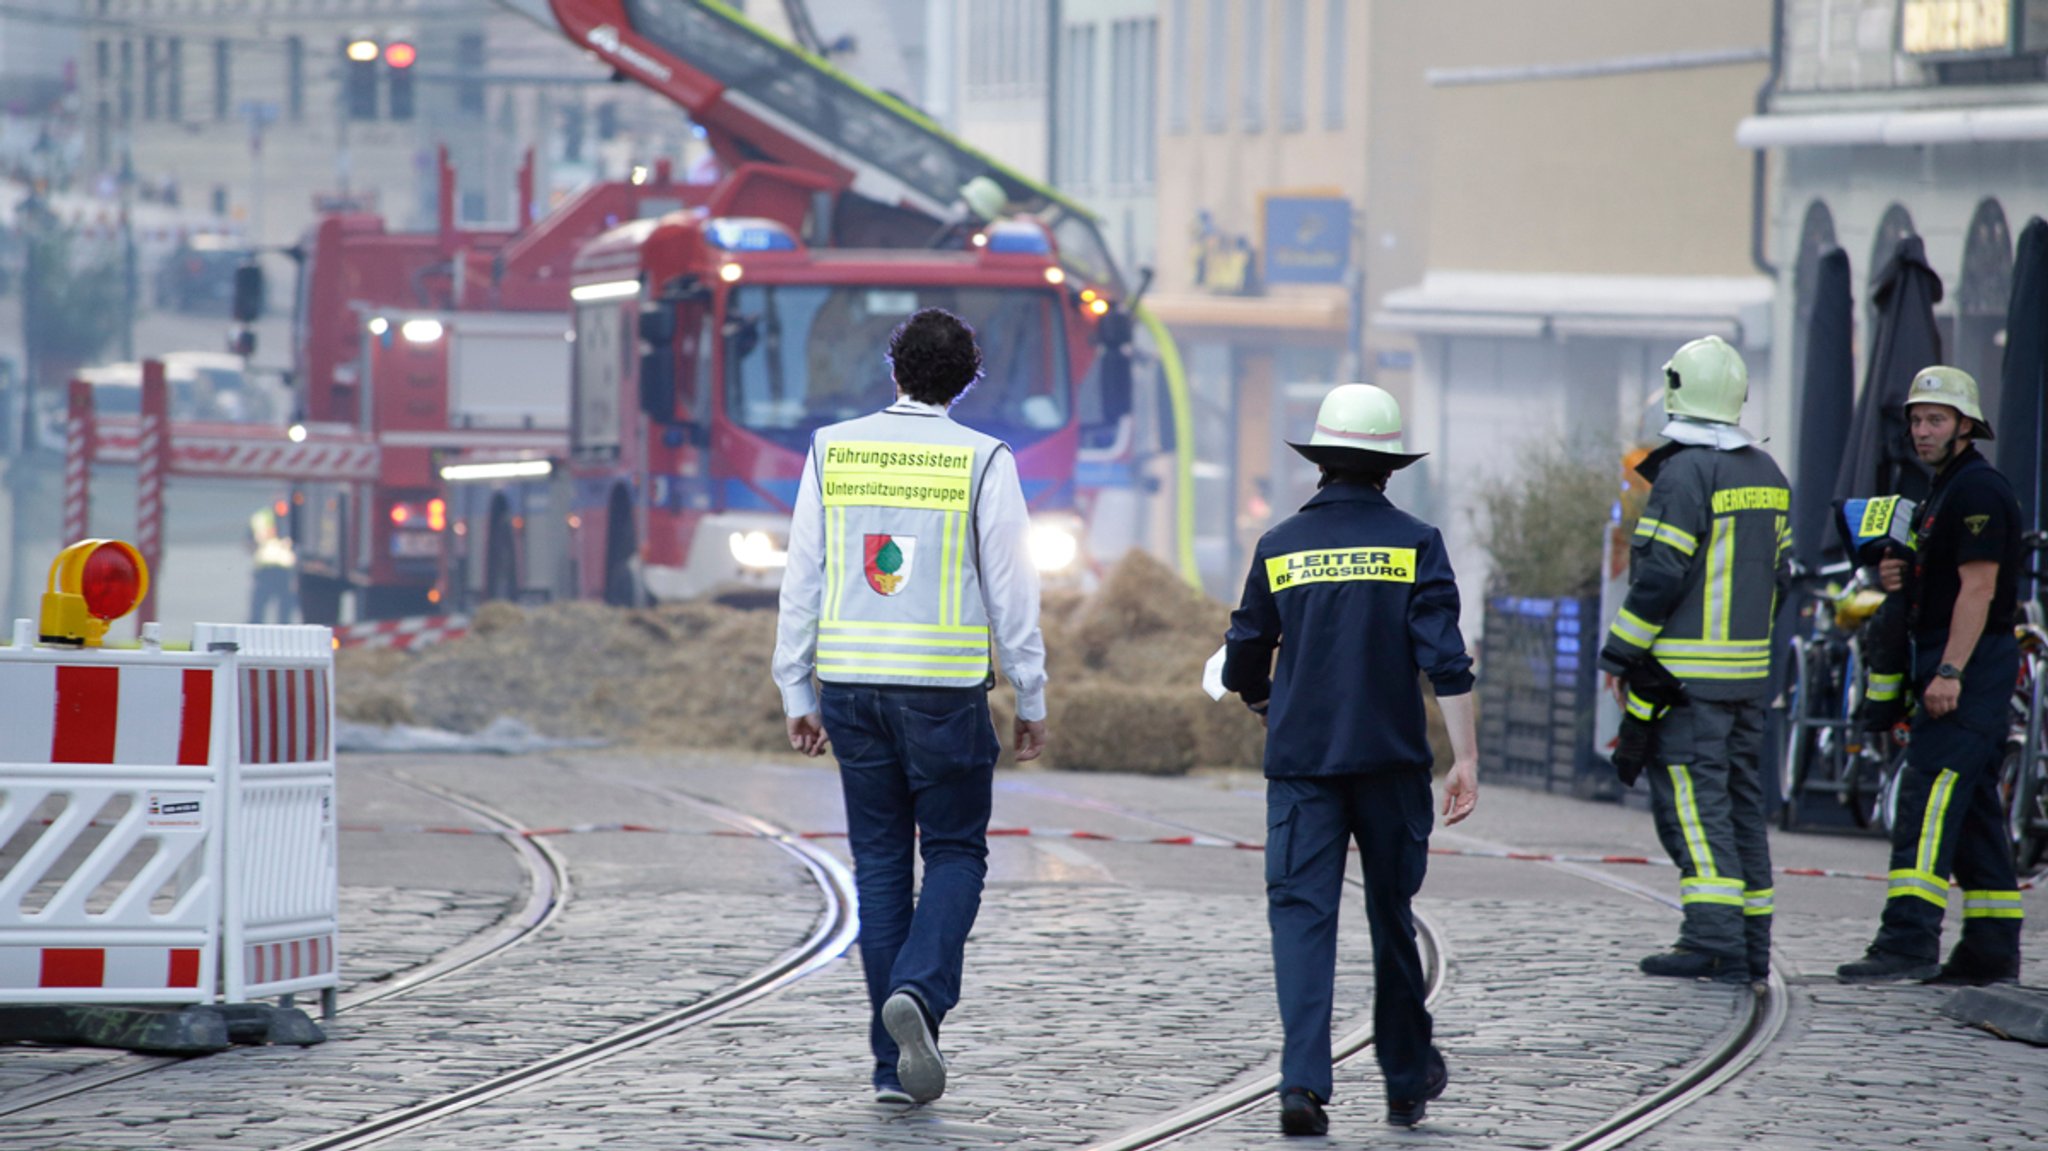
(709, 349)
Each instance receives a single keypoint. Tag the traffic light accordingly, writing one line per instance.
(92, 584)
(399, 58)
(359, 79)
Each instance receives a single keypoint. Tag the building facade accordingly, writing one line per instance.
(1891, 118)
(1506, 214)
(258, 110)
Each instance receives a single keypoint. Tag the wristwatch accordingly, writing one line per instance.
(1949, 671)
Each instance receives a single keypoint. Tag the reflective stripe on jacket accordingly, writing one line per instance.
(903, 602)
(1704, 570)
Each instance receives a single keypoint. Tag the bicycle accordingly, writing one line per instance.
(2023, 773)
(1826, 751)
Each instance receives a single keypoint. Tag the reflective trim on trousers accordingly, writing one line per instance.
(1992, 905)
(1696, 844)
(1711, 889)
(1919, 884)
(1938, 798)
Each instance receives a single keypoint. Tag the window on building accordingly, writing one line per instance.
(1007, 48)
(152, 80)
(1333, 64)
(102, 56)
(1293, 65)
(1123, 80)
(223, 80)
(174, 79)
(295, 77)
(1148, 102)
(1216, 67)
(1133, 80)
(469, 60)
(127, 94)
(1177, 68)
(1254, 92)
(1077, 107)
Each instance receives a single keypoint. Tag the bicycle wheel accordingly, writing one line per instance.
(1798, 736)
(2023, 779)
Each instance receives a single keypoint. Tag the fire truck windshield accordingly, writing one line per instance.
(801, 357)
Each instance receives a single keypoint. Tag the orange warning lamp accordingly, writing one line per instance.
(92, 584)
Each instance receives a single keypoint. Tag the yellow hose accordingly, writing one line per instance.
(1183, 445)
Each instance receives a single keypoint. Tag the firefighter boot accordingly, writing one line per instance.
(1881, 966)
(1679, 963)
(1970, 967)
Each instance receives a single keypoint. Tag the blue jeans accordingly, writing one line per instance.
(917, 766)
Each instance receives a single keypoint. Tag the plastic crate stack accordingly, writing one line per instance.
(1539, 672)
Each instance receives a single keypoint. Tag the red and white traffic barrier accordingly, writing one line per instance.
(409, 634)
(215, 769)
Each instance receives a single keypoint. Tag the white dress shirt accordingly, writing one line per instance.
(1009, 583)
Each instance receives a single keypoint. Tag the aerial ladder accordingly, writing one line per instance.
(887, 175)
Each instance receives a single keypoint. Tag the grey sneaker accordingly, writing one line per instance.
(918, 1062)
(890, 1093)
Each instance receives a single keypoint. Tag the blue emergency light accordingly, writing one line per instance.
(748, 234)
(1018, 238)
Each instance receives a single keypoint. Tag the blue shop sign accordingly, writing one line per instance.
(1308, 239)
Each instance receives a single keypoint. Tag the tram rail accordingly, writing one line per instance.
(547, 894)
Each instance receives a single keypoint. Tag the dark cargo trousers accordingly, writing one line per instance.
(1708, 802)
(1310, 824)
(1951, 822)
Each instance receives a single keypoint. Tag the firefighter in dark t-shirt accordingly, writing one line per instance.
(1960, 613)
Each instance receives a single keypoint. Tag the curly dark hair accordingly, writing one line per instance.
(934, 356)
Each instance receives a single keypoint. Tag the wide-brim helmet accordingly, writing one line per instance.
(1358, 426)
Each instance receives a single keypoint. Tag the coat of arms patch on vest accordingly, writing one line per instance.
(889, 560)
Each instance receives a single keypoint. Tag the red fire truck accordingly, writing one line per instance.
(710, 343)
(440, 347)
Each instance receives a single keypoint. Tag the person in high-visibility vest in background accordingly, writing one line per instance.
(275, 563)
(1359, 600)
(908, 561)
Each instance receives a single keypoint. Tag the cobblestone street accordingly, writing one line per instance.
(1109, 985)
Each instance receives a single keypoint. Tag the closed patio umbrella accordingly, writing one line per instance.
(1880, 459)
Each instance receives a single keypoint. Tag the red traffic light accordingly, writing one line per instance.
(400, 54)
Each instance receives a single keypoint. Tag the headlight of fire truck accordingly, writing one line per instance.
(1055, 544)
(758, 550)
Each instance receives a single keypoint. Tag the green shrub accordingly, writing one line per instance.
(1541, 523)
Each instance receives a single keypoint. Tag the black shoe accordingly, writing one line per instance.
(1967, 970)
(1301, 1113)
(1679, 963)
(919, 1066)
(1881, 966)
(1409, 1112)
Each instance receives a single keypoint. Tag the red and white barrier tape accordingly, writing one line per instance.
(1076, 833)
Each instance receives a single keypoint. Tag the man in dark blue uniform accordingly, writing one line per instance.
(1960, 612)
(1357, 596)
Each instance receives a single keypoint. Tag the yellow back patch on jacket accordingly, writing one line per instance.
(1341, 565)
(1752, 500)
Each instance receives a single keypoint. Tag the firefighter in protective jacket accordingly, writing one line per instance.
(1705, 570)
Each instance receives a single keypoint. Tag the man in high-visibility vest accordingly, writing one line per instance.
(1359, 600)
(1960, 607)
(1704, 571)
(908, 560)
